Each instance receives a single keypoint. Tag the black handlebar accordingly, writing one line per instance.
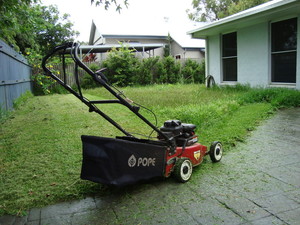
(53, 52)
(72, 48)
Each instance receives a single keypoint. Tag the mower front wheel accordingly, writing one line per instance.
(216, 151)
(183, 170)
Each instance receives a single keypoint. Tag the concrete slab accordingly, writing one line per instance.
(96, 216)
(291, 217)
(211, 211)
(67, 208)
(266, 221)
(277, 203)
(242, 206)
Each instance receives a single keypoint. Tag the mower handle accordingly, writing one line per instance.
(98, 76)
(53, 52)
(123, 101)
(90, 104)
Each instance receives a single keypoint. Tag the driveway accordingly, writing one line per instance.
(257, 182)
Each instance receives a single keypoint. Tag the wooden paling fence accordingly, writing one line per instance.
(15, 75)
(69, 77)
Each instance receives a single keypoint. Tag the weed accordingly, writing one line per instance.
(277, 97)
(22, 99)
(4, 114)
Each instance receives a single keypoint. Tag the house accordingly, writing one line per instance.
(149, 39)
(259, 46)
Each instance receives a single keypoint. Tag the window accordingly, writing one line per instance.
(229, 57)
(177, 56)
(284, 51)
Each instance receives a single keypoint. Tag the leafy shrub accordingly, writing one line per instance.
(87, 80)
(168, 71)
(146, 71)
(200, 77)
(41, 84)
(161, 75)
(122, 66)
(123, 69)
(192, 72)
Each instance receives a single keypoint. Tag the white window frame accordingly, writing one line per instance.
(281, 84)
(228, 57)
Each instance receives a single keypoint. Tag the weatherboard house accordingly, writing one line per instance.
(259, 46)
(147, 38)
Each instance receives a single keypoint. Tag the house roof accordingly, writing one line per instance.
(104, 48)
(122, 25)
(258, 14)
(178, 32)
(156, 28)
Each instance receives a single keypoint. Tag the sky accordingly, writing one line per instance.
(82, 13)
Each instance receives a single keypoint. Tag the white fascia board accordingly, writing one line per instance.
(243, 14)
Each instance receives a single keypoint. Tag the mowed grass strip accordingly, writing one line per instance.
(40, 145)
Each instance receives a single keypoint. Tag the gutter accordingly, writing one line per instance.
(244, 14)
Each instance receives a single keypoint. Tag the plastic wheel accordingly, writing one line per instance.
(216, 151)
(183, 170)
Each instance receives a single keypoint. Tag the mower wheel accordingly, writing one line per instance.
(183, 170)
(216, 151)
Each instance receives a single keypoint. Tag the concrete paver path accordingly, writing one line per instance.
(258, 182)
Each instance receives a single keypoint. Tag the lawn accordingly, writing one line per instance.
(40, 146)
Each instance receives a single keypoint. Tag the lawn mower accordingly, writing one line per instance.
(127, 159)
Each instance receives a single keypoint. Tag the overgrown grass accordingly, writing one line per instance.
(40, 146)
(3, 114)
(277, 97)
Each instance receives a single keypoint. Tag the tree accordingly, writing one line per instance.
(34, 29)
(244, 4)
(11, 13)
(27, 25)
(211, 10)
(107, 4)
(51, 28)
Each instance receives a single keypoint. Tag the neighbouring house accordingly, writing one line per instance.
(259, 46)
(148, 40)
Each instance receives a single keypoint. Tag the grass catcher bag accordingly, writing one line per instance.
(121, 162)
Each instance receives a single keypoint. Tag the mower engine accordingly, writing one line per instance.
(183, 133)
(188, 153)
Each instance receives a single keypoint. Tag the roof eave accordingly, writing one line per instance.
(250, 16)
(128, 36)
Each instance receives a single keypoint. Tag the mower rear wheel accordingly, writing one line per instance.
(183, 170)
(216, 151)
